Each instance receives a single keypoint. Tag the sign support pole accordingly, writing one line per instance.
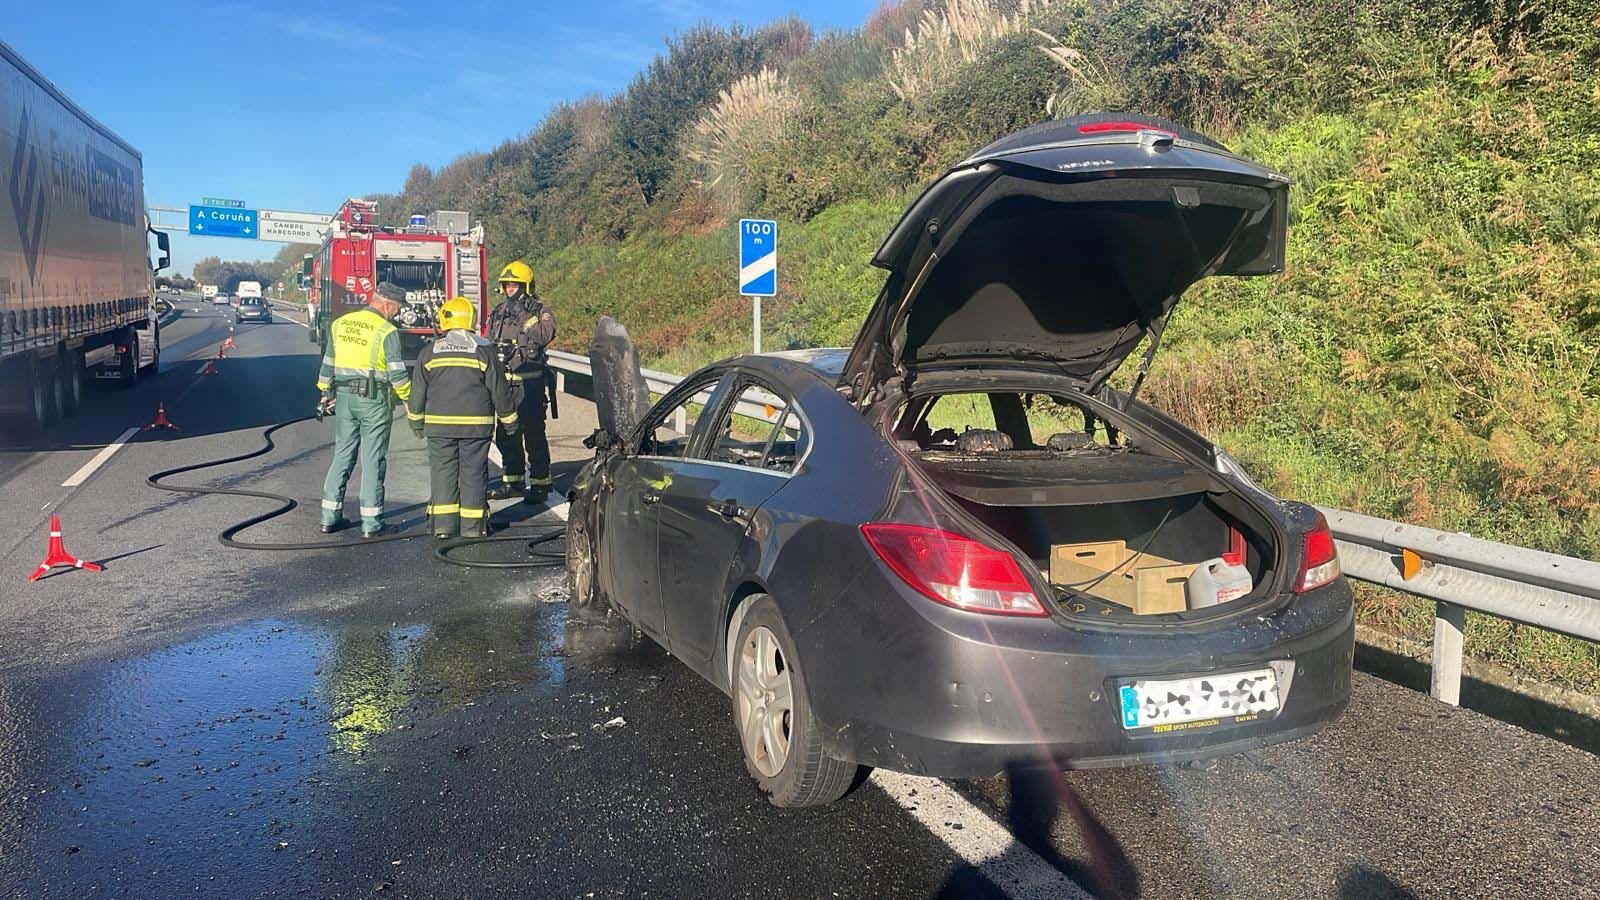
(755, 330)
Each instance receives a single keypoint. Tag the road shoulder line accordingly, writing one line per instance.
(93, 465)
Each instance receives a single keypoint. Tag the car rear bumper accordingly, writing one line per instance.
(933, 702)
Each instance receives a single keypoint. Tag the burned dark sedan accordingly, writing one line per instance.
(955, 546)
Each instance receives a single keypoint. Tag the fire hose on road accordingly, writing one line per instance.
(535, 538)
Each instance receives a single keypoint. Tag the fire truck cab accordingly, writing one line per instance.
(433, 258)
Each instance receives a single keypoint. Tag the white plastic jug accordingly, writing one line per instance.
(1216, 581)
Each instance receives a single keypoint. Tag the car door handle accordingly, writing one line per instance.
(650, 497)
(730, 509)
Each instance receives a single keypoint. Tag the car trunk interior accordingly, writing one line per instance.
(1117, 527)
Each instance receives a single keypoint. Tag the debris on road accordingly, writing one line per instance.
(618, 722)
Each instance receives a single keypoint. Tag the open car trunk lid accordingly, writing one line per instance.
(1061, 247)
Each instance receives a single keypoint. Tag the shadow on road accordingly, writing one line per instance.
(1532, 713)
(1038, 795)
(1364, 883)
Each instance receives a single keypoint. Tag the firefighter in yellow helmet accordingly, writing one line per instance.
(521, 328)
(458, 393)
(361, 365)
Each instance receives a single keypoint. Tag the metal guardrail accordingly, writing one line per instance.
(1458, 572)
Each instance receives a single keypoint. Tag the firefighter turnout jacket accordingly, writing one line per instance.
(459, 389)
(530, 327)
(363, 352)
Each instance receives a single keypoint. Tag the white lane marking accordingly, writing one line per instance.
(93, 465)
(979, 840)
(560, 510)
(494, 456)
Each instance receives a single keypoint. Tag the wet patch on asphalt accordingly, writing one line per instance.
(510, 743)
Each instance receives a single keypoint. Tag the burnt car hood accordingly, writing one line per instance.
(1062, 246)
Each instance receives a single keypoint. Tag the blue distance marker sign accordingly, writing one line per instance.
(216, 221)
(758, 257)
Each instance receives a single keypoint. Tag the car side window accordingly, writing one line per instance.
(670, 429)
(789, 443)
(760, 429)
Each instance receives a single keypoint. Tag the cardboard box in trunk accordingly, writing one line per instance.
(1147, 585)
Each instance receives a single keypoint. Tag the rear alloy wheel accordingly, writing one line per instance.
(772, 713)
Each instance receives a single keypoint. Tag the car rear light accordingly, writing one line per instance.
(1120, 127)
(1319, 560)
(954, 569)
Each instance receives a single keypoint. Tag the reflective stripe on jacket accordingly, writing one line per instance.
(361, 345)
(460, 389)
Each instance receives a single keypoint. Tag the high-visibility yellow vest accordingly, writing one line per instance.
(361, 345)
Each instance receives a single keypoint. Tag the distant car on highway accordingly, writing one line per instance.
(252, 309)
(221, 298)
(956, 547)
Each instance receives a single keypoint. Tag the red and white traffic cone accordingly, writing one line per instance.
(228, 344)
(161, 421)
(56, 554)
(210, 368)
(221, 352)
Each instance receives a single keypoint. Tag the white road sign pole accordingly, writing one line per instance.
(755, 322)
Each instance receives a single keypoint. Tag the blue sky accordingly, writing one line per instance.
(296, 106)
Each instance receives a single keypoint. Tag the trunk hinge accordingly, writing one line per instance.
(1154, 335)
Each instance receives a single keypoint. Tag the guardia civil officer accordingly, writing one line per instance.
(522, 327)
(458, 394)
(361, 368)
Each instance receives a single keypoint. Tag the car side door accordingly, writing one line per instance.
(629, 535)
(712, 502)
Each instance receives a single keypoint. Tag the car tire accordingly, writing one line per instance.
(581, 590)
(781, 745)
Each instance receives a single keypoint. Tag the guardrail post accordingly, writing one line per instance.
(561, 382)
(680, 420)
(1448, 622)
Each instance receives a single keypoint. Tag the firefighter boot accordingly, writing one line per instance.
(506, 491)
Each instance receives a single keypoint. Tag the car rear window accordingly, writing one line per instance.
(1029, 419)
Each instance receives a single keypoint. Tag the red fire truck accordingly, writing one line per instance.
(433, 258)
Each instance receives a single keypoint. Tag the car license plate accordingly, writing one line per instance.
(1183, 704)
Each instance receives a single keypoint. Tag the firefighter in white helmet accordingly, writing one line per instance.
(459, 392)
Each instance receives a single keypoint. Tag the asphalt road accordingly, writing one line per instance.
(195, 721)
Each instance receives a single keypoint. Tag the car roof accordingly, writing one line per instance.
(819, 362)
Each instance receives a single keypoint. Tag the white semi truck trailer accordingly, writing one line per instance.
(77, 288)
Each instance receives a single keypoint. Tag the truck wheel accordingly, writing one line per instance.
(155, 354)
(71, 367)
(41, 398)
(772, 713)
(129, 369)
